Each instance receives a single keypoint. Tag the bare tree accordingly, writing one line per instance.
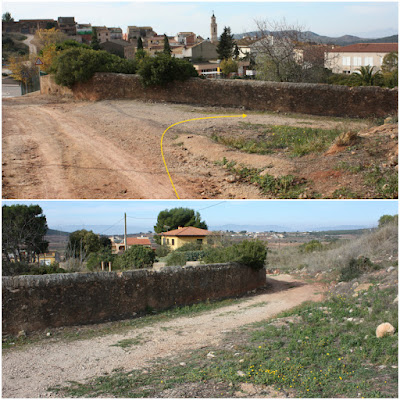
(284, 53)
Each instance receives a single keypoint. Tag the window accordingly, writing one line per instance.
(346, 60)
(357, 61)
(200, 241)
(369, 61)
(172, 241)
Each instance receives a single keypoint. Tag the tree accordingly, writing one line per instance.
(95, 43)
(390, 62)
(236, 52)
(80, 64)
(23, 231)
(228, 66)
(44, 37)
(285, 54)
(387, 219)
(140, 44)
(171, 219)
(365, 76)
(167, 47)
(7, 17)
(225, 45)
(135, 257)
(163, 69)
(81, 243)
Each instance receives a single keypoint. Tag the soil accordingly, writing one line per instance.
(29, 371)
(60, 148)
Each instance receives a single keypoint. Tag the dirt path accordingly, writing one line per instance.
(60, 148)
(28, 372)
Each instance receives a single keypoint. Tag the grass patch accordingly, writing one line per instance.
(125, 343)
(329, 351)
(384, 182)
(298, 141)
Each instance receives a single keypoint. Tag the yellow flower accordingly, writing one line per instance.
(340, 377)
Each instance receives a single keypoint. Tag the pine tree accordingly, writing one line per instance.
(225, 45)
(95, 41)
(236, 52)
(167, 48)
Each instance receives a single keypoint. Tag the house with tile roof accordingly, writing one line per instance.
(183, 235)
(348, 59)
(118, 244)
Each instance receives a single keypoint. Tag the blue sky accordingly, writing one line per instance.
(295, 214)
(366, 19)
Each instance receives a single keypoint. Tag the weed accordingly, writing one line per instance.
(384, 182)
(354, 169)
(138, 340)
(298, 140)
(346, 193)
(356, 267)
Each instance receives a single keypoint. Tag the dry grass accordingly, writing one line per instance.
(381, 246)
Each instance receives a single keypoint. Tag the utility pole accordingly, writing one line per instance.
(125, 236)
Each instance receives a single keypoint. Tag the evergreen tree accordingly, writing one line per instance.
(167, 48)
(140, 44)
(236, 52)
(7, 17)
(225, 45)
(95, 43)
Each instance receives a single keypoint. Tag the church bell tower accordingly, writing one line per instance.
(214, 34)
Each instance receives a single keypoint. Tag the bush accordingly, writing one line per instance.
(163, 250)
(251, 253)
(16, 268)
(135, 257)
(94, 260)
(357, 267)
(79, 65)
(162, 69)
(310, 247)
(194, 255)
(194, 246)
(176, 258)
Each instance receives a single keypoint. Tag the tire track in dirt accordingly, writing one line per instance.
(30, 371)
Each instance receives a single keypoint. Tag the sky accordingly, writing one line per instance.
(364, 19)
(300, 215)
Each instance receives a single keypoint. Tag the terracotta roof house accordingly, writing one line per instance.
(188, 234)
(118, 244)
(348, 59)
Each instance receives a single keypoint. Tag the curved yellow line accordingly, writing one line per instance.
(181, 122)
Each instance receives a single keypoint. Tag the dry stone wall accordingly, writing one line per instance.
(316, 99)
(35, 303)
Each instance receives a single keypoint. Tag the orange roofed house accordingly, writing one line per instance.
(189, 234)
(118, 245)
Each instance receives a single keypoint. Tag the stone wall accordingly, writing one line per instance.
(316, 99)
(35, 303)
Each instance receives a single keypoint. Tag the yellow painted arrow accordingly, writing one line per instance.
(181, 122)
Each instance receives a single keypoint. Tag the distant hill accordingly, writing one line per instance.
(339, 41)
(55, 232)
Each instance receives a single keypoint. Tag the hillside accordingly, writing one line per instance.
(344, 40)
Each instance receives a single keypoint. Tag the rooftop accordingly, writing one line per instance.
(187, 231)
(367, 48)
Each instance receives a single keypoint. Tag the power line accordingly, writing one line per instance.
(111, 226)
(213, 205)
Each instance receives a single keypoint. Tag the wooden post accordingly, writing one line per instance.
(109, 266)
(102, 265)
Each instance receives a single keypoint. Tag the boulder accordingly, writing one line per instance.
(384, 329)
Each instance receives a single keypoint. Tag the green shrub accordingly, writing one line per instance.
(163, 250)
(79, 65)
(251, 253)
(194, 255)
(310, 247)
(135, 257)
(357, 267)
(162, 69)
(94, 260)
(176, 258)
(193, 246)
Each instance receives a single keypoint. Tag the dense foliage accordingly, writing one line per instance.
(23, 231)
(135, 257)
(251, 253)
(226, 44)
(163, 69)
(80, 64)
(82, 243)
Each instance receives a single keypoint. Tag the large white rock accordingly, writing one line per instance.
(384, 329)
